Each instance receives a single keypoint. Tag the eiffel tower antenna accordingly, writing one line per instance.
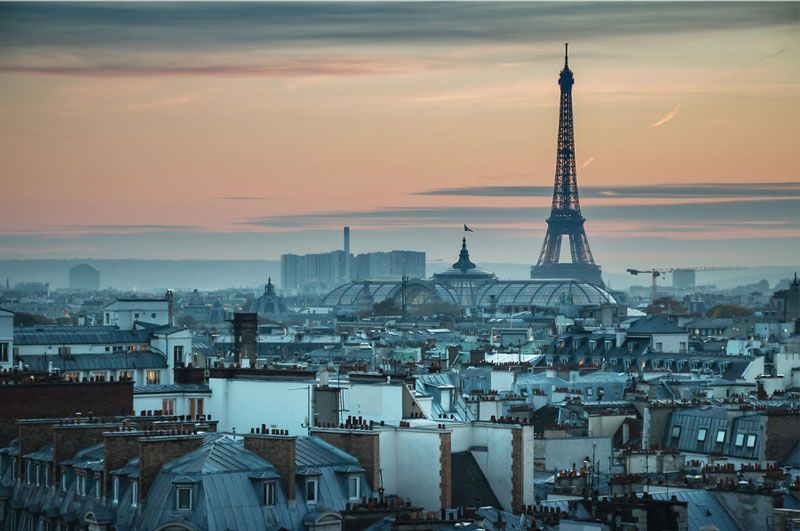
(565, 215)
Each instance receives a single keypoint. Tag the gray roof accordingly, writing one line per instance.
(157, 389)
(656, 324)
(110, 361)
(78, 335)
(703, 509)
(469, 484)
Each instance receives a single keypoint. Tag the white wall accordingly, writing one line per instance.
(561, 453)
(374, 402)
(244, 404)
(154, 402)
(7, 336)
(410, 465)
(124, 313)
(671, 342)
(502, 380)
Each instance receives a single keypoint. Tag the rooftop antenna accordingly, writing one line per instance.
(566, 55)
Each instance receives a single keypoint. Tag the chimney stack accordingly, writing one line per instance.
(69, 439)
(347, 277)
(155, 452)
(33, 434)
(245, 337)
(170, 307)
(280, 451)
(364, 445)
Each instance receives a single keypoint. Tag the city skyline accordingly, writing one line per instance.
(253, 130)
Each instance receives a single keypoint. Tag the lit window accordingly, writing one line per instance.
(720, 436)
(153, 377)
(739, 439)
(701, 435)
(183, 498)
(134, 493)
(311, 491)
(115, 491)
(751, 441)
(269, 493)
(354, 487)
(676, 432)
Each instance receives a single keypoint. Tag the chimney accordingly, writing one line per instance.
(155, 452)
(33, 434)
(347, 254)
(121, 447)
(279, 450)
(170, 307)
(69, 439)
(245, 336)
(364, 445)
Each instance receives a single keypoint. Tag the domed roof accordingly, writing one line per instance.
(543, 293)
(463, 268)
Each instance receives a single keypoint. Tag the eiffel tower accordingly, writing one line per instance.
(565, 216)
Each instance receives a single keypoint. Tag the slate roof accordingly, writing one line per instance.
(78, 335)
(469, 483)
(157, 389)
(656, 324)
(108, 361)
(735, 370)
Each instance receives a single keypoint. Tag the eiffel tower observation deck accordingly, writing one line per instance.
(565, 215)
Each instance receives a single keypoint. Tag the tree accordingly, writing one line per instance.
(665, 306)
(31, 319)
(726, 311)
(386, 307)
(187, 321)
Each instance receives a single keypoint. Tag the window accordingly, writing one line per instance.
(683, 346)
(38, 474)
(575, 344)
(739, 439)
(125, 375)
(195, 407)
(183, 498)
(354, 487)
(153, 377)
(676, 432)
(108, 318)
(177, 355)
(98, 487)
(46, 475)
(14, 470)
(152, 315)
(63, 480)
(311, 491)
(80, 482)
(589, 391)
(751, 441)
(269, 493)
(168, 407)
(3, 352)
(73, 377)
(659, 346)
(701, 435)
(720, 436)
(28, 472)
(115, 491)
(608, 346)
(592, 344)
(134, 493)
(136, 316)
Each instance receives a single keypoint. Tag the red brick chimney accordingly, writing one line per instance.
(156, 451)
(364, 445)
(280, 451)
(69, 439)
(33, 434)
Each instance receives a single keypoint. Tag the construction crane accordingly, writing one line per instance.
(656, 272)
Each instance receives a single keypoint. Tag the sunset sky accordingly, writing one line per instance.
(251, 130)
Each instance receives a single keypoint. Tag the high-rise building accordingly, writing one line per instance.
(565, 215)
(388, 265)
(84, 277)
(313, 273)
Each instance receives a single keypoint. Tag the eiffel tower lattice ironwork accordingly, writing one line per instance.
(565, 216)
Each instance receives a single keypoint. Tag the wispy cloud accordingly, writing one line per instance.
(667, 117)
(122, 228)
(587, 163)
(656, 191)
(244, 198)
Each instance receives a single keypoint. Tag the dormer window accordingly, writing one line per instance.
(751, 441)
(701, 435)
(312, 491)
(183, 498)
(354, 487)
(608, 345)
(720, 436)
(98, 487)
(28, 472)
(268, 493)
(115, 490)
(575, 344)
(80, 483)
(63, 480)
(676, 432)
(592, 344)
(134, 493)
(739, 439)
